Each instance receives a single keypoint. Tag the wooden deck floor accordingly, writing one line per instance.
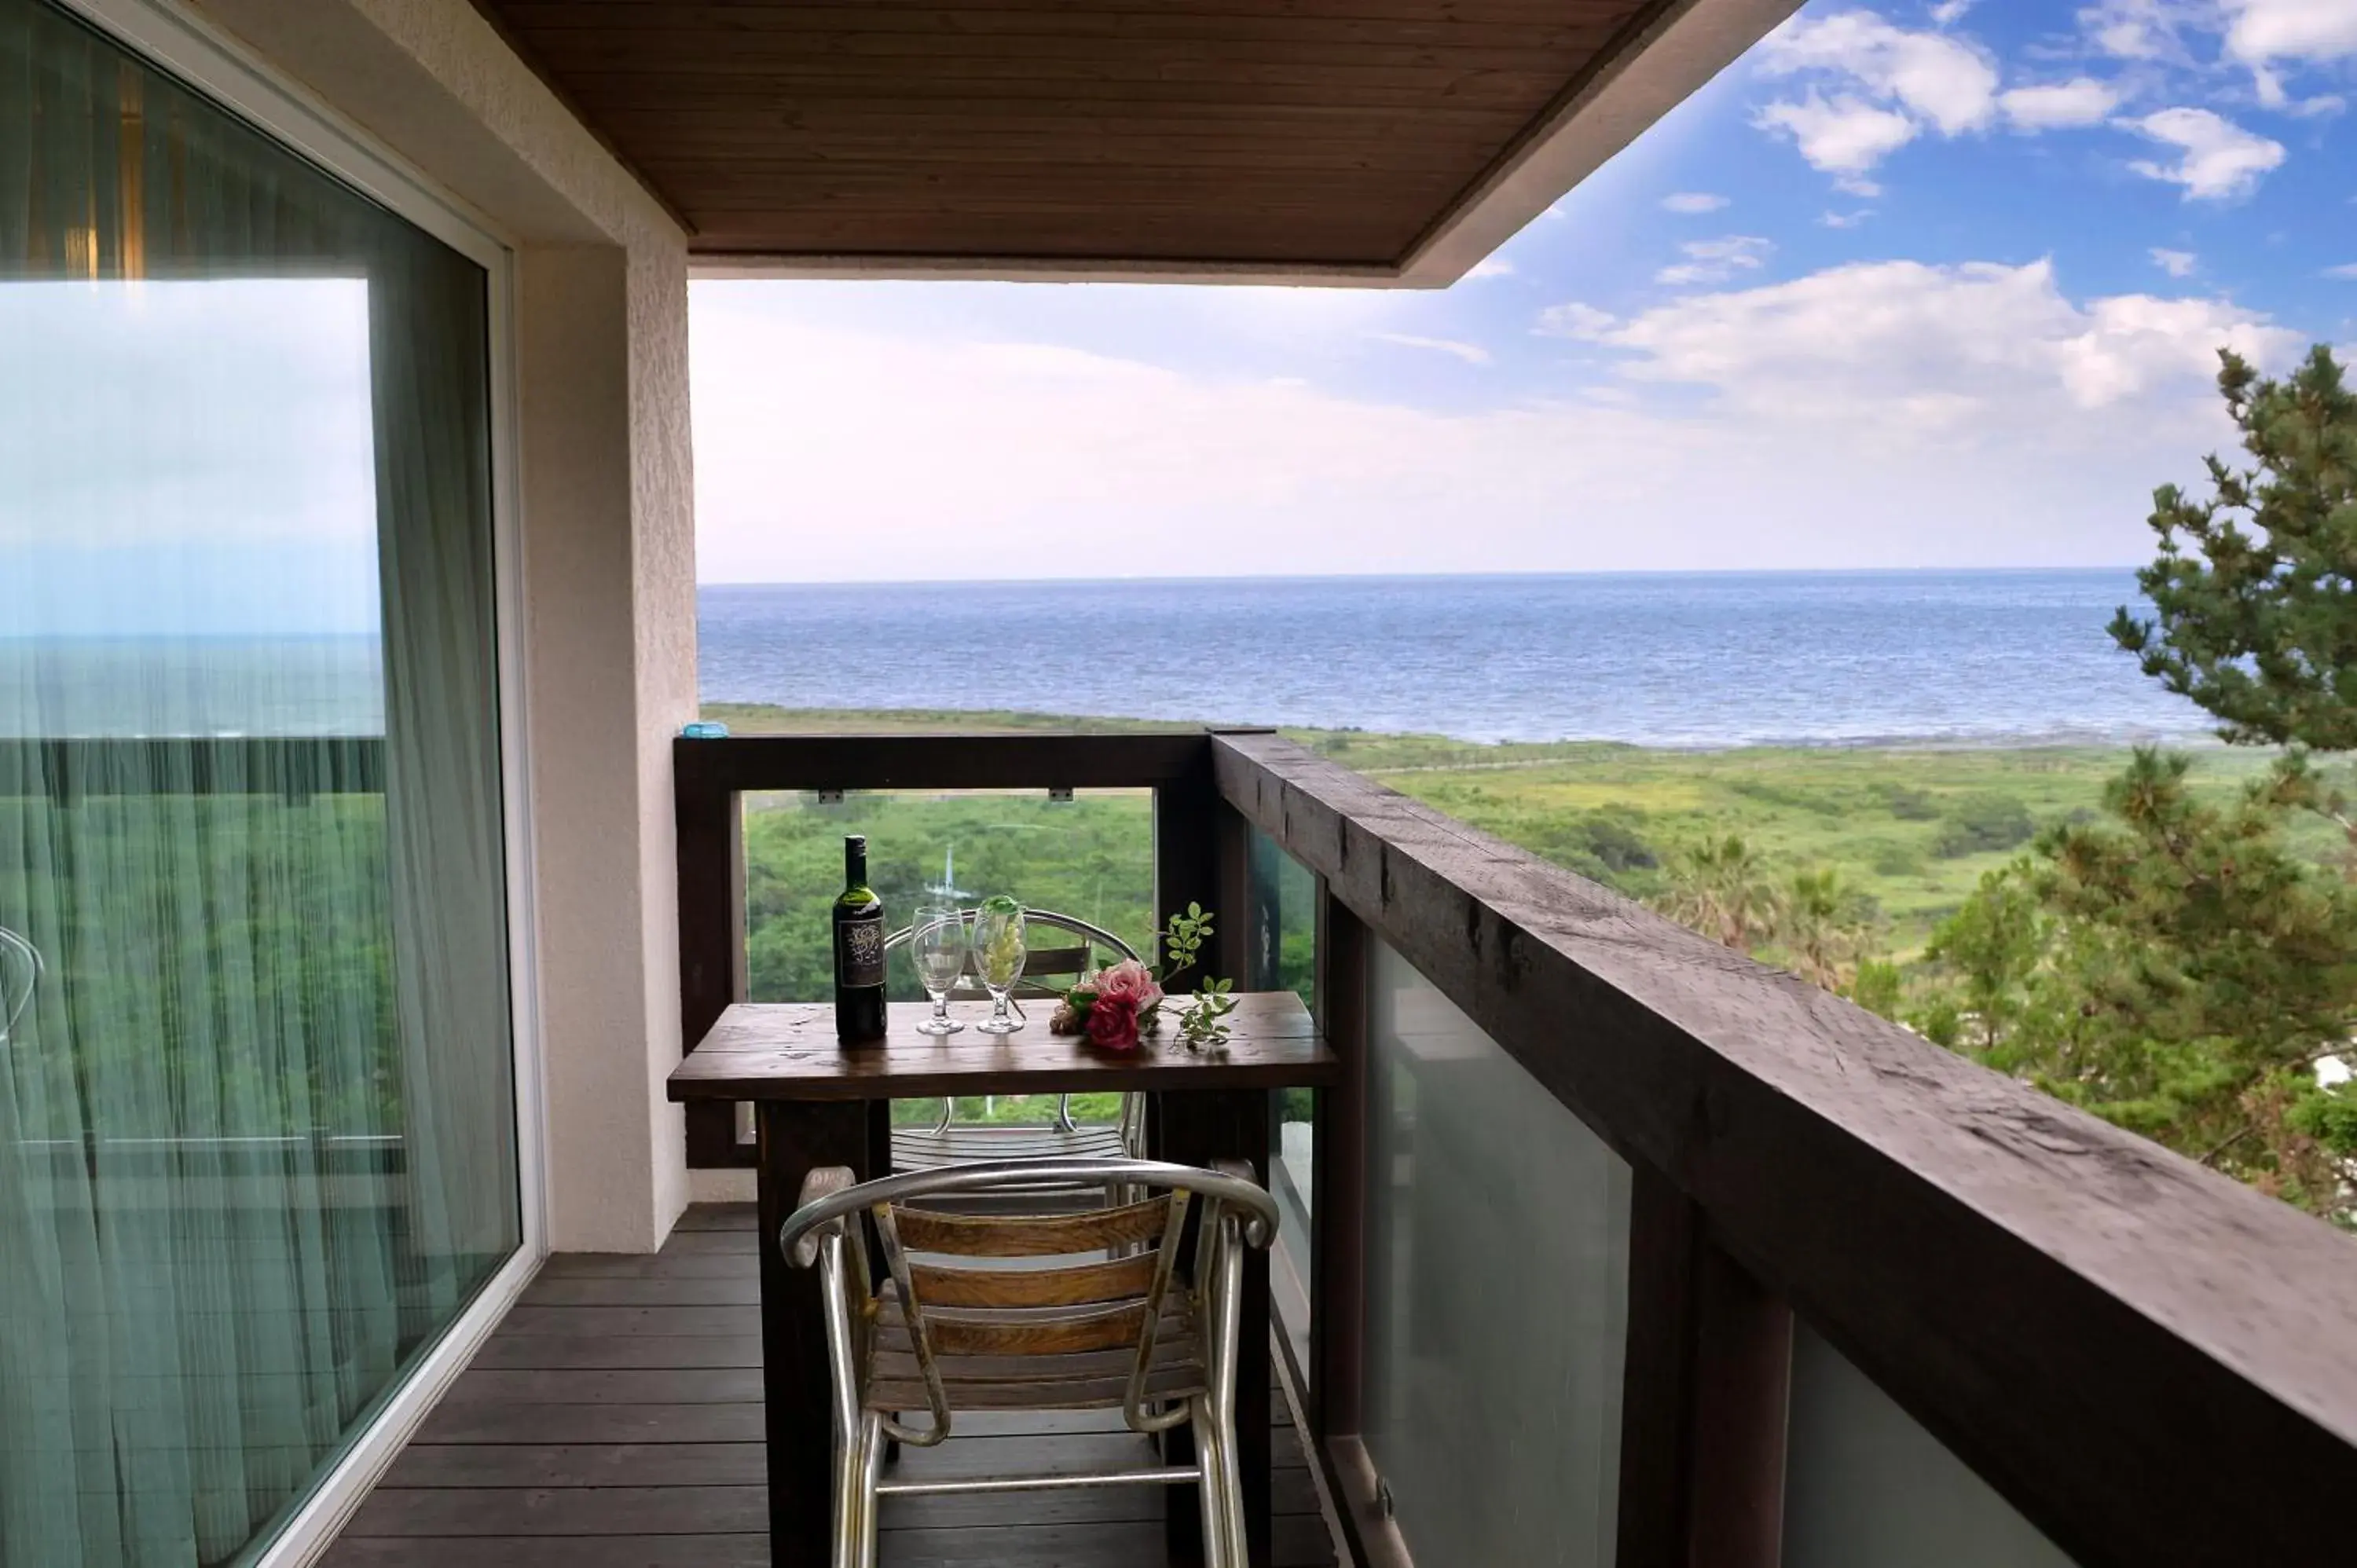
(614, 1421)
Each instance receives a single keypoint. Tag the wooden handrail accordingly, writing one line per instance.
(2153, 1363)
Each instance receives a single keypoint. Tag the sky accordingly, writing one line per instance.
(1937, 283)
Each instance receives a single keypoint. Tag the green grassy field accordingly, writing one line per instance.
(1915, 828)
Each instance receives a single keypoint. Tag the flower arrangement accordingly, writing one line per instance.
(1116, 1007)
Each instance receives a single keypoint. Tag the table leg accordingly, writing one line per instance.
(796, 1138)
(1197, 1129)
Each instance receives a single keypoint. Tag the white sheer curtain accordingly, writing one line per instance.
(256, 1124)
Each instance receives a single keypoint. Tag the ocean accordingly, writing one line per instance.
(1669, 660)
(1654, 658)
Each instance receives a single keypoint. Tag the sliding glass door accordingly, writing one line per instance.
(257, 1120)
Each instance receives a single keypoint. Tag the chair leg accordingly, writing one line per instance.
(871, 1508)
(1234, 1548)
(849, 1465)
(1211, 1485)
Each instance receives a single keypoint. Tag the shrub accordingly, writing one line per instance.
(1897, 860)
(1983, 824)
(1910, 804)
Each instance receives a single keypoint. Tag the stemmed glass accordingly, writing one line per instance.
(998, 953)
(937, 942)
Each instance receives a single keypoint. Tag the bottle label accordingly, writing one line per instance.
(859, 952)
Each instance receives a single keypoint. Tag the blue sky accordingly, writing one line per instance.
(1911, 284)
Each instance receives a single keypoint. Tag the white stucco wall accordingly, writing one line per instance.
(608, 555)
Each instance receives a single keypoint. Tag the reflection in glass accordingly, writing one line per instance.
(257, 1102)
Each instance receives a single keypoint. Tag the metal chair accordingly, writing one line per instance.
(20, 971)
(1116, 1331)
(946, 1142)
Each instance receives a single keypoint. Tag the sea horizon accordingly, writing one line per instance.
(1983, 656)
(2127, 570)
(1911, 656)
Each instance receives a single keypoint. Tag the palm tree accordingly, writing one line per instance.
(1723, 891)
(1827, 925)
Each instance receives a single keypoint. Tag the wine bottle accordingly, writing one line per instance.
(858, 951)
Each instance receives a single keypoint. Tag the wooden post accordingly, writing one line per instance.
(711, 858)
(798, 1398)
(1338, 1178)
(1704, 1388)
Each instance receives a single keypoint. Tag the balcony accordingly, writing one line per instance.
(339, 1125)
(1612, 1246)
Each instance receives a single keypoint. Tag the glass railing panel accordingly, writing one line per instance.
(1865, 1485)
(1279, 926)
(1497, 1293)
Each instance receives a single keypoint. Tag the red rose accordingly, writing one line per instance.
(1129, 981)
(1113, 1026)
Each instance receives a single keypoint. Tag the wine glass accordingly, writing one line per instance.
(937, 942)
(998, 953)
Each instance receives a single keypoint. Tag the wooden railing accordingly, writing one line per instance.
(2151, 1363)
(711, 777)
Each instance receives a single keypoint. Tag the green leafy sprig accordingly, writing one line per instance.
(1202, 1027)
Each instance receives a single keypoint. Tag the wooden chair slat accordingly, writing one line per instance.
(1103, 1329)
(897, 1395)
(1059, 960)
(1007, 1236)
(899, 1364)
(940, 1287)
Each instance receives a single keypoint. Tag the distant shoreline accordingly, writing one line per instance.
(765, 718)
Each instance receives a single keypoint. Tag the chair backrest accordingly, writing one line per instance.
(1088, 1319)
(1069, 959)
(20, 972)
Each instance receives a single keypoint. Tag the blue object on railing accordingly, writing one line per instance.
(704, 729)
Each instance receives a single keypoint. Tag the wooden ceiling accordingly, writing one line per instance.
(1249, 134)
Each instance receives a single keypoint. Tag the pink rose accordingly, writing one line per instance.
(1113, 1023)
(1128, 983)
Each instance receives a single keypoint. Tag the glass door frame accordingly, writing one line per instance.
(244, 85)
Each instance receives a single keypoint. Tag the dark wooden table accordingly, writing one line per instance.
(818, 1104)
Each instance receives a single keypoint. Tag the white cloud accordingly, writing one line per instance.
(1716, 261)
(2140, 30)
(1882, 415)
(1846, 219)
(2347, 273)
(2265, 30)
(1846, 136)
(1949, 12)
(1692, 202)
(1935, 348)
(1582, 323)
(2176, 263)
(1471, 353)
(1945, 81)
(2082, 101)
(2219, 161)
(1490, 267)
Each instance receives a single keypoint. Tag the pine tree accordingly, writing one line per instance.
(2254, 591)
(2178, 971)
